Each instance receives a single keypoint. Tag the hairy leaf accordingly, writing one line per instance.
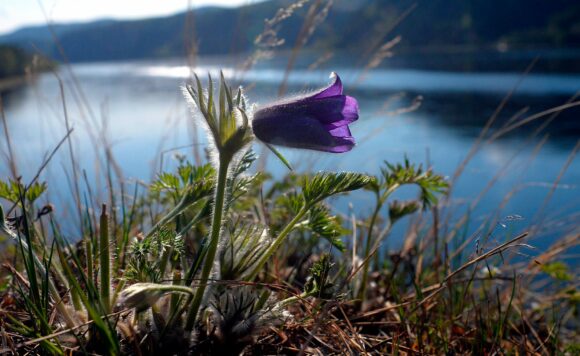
(327, 226)
(244, 248)
(326, 184)
(399, 209)
(430, 184)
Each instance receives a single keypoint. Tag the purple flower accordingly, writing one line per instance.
(318, 121)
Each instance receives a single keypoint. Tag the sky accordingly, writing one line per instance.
(19, 13)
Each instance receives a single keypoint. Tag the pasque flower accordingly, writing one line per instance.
(318, 121)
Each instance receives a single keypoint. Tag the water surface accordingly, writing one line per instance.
(141, 108)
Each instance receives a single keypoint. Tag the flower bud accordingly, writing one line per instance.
(144, 295)
(140, 296)
(317, 121)
(227, 122)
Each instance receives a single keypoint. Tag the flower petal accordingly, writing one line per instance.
(335, 88)
(307, 132)
(343, 139)
(341, 148)
(341, 132)
(349, 112)
(335, 111)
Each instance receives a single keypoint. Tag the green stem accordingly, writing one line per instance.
(89, 257)
(105, 260)
(216, 227)
(178, 209)
(174, 288)
(117, 291)
(76, 300)
(380, 202)
(295, 298)
(362, 289)
(164, 259)
(200, 215)
(276, 244)
(174, 298)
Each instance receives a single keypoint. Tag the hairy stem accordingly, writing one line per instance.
(216, 227)
(89, 257)
(105, 260)
(380, 203)
(362, 290)
(178, 209)
(276, 244)
(290, 300)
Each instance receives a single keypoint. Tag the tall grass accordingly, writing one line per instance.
(211, 259)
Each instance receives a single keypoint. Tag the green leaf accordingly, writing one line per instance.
(243, 250)
(326, 184)
(197, 191)
(430, 184)
(35, 191)
(7, 193)
(557, 270)
(239, 184)
(318, 283)
(245, 163)
(89, 296)
(280, 156)
(240, 99)
(11, 191)
(227, 90)
(147, 262)
(288, 183)
(166, 181)
(210, 103)
(190, 184)
(291, 202)
(327, 226)
(397, 209)
(186, 174)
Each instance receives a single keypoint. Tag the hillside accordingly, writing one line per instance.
(433, 23)
(15, 62)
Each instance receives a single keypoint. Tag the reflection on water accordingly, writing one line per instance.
(140, 106)
(380, 79)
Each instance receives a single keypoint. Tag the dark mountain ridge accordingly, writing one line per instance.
(352, 25)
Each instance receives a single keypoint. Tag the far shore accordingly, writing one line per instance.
(10, 83)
